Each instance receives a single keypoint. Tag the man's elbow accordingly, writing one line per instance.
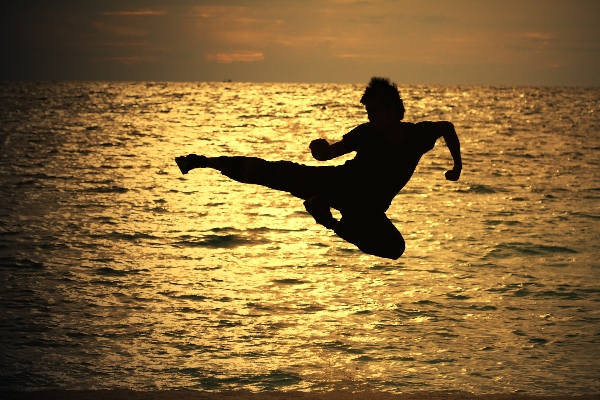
(446, 129)
(338, 149)
(321, 157)
(446, 126)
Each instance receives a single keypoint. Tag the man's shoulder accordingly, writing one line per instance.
(433, 128)
(425, 134)
(358, 134)
(366, 127)
(429, 124)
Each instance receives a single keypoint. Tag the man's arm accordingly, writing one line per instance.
(447, 131)
(323, 151)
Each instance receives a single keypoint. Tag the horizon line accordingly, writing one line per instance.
(226, 81)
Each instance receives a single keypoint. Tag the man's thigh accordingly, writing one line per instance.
(373, 233)
(303, 181)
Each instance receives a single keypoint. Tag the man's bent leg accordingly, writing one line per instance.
(372, 233)
(320, 211)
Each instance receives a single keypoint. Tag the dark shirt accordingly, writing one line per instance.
(380, 169)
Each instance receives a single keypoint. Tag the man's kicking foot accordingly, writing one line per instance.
(320, 212)
(189, 162)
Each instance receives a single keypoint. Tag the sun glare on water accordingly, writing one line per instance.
(152, 279)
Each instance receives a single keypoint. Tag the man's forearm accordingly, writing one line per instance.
(451, 139)
(324, 151)
(337, 149)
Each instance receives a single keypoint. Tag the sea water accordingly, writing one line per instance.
(117, 271)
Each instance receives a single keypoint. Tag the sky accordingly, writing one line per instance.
(472, 42)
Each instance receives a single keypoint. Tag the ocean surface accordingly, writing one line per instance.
(116, 271)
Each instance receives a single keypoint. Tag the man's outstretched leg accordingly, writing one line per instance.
(241, 169)
(190, 162)
(302, 181)
(237, 167)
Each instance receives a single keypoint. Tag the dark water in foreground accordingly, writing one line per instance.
(117, 271)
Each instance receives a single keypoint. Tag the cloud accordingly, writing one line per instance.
(365, 56)
(539, 36)
(233, 27)
(116, 30)
(240, 56)
(119, 44)
(134, 13)
(128, 61)
(231, 14)
(337, 40)
(305, 41)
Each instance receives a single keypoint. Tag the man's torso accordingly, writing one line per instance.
(383, 165)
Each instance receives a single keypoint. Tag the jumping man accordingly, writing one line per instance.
(387, 153)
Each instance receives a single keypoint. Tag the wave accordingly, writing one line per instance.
(19, 263)
(505, 250)
(123, 236)
(219, 241)
(290, 281)
(584, 215)
(213, 380)
(107, 189)
(107, 271)
(480, 189)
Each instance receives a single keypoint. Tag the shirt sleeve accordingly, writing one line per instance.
(354, 139)
(427, 134)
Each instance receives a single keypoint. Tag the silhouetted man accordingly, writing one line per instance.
(387, 153)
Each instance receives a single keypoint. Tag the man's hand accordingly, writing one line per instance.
(320, 149)
(453, 174)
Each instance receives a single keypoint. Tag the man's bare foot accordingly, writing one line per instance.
(189, 162)
(321, 212)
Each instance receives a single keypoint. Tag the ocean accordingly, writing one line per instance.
(117, 271)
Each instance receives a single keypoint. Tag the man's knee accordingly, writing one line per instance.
(387, 249)
(373, 235)
(395, 251)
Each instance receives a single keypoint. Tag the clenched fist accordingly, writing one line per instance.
(320, 149)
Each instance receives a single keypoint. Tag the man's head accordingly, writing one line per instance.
(381, 94)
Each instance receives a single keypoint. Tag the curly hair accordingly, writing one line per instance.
(385, 91)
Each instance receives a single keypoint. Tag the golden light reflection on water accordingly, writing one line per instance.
(200, 282)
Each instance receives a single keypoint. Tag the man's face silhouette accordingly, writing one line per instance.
(380, 114)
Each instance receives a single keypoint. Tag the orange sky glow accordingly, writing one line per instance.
(533, 42)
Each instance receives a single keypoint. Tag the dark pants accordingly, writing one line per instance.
(366, 227)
